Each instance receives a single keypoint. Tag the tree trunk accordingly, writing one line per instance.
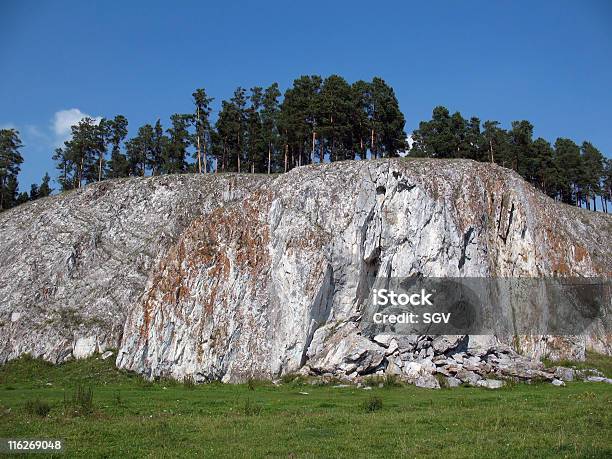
(372, 149)
(595, 203)
(314, 138)
(198, 141)
(286, 155)
(491, 150)
(205, 158)
(238, 153)
(269, 156)
(100, 169)
(80, 174)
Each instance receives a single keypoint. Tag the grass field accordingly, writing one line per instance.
(129, 417)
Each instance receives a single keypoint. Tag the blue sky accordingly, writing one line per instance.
(548, 62)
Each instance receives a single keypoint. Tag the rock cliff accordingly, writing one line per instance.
(228, 277)
(72, 266)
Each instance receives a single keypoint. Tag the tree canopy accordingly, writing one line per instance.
(262, 130)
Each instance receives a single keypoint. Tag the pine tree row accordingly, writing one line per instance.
(565, 171)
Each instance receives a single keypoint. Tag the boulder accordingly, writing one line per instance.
(445, 343)
(490, 383)
(468, 377)
(453, 382)
(106, 355)
(598, 379)
(427, 381)
(564, 373)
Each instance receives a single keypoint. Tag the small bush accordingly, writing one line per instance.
(291, 378)
(37, 407)
(253, 383)
(145, 383)
(392, 381)
(372, 404)
(189, 382)
(441, 380)
(386, 381)
(81, 402)
(250, 408)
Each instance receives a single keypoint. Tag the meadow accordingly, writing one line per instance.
(99, 411)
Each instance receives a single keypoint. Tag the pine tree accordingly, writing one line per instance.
(387, 126)
(435, 138)
(175, 153)
(362, 113)
(592, 170)
(543, 171)
(83, 154)
(335, 110)
(44, 189)
(155, 161)
(225, 143)
(255, 141)
(607, 184)
(568, 163)
(64, 166)
(300, 121)
(10, 165)
(202, 128)
(22, 198)
(269, 120)
(495, 141)
(34, 192)
(116, 131)
(521, 139)
(139, 150)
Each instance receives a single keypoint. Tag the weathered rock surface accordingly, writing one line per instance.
(273, 281)
(71, 266)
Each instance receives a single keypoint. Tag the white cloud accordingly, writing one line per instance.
(64, 120)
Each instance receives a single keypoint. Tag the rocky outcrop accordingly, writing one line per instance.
(272, 277)
(277, 281)
(73, 265)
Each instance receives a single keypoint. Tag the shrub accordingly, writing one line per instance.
(81, 401)
(385, 381)
(252, 383)
(189, 382)
(392, 381)
(144, 383)
(250, 408)
(441, 380)
(373, 403)
(37, 407)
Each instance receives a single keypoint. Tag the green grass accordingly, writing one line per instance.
(133, 418)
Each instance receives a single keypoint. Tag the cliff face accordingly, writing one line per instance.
(274, 280)
(71, 266)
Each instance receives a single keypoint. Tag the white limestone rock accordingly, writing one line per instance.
(235, 276)
(490, 383)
